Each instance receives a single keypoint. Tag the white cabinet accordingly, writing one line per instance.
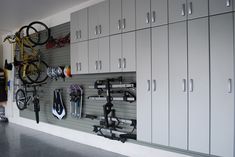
(79, 58)
(220, 6)
(99, 55)
(150, 13)
(79, 26)
(122, 52)
(98, 16)
(180, 10)
(152, 85)
(122, 16)
(222, 85)
(189, 85)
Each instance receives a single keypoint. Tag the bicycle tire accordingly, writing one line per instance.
(43, 40)
(42, 71)
(24, 29)
(25, 79)
(21, 99)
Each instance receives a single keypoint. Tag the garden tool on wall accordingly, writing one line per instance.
(76, 97)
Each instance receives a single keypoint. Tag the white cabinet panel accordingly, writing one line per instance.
(74, 27)
(222, 85)
(198, 67)
(220, 6)
(116, 53)
(178, 85)
(104, 55)
(142, 14)
(83, 57)
(93, 21)
(115, 16)
(159, 12)
(177, 10)
(93, 55)
(83, 24)
(73, 58)
(103, 24)
(128, 15)
(197, 8)
(160, 120)
(144, 86)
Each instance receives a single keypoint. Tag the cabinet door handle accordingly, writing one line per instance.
(154, 85)
(191, 85)
(76, 66)
(229, 85)
(123, 23)
(147, 18)
(100, 63)
(124, 63)
(190, 9)
(184, 85)
(76, 34)
(183, 10)
(100, 29)
(80, 34)
(80, 66)
(153, 16)
(228, 3)
(148, 84)
(96, 65)
(96, 30)
(119, 24)
(119, 63)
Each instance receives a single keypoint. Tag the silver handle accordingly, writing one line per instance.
(124, 63)
(183, 10)
(96, 65)
(100, 29)
(123, 23)
(96, 30)
(119, 24)
(154, 85)
(100, 63)
(191, 85)
(228, 3)
(119, 63)
(154, 16)
(80, 66)
(80, 34)
(184, 85)
(190, 9)
(147, 18)
(229, 85)
(148, 82)
(76, 66)
(76, 34)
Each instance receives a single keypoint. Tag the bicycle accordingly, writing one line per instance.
(23, 99)
(31, 68)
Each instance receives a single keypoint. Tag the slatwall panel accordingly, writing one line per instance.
(61, 56)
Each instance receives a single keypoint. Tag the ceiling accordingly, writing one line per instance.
(14, 13)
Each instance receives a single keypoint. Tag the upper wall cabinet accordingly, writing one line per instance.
(122, 16)
(180, 10)
(79, 26)
(220, 6)
(98, 16)
(151, 13)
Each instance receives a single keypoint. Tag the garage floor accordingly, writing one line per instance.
(17, 141)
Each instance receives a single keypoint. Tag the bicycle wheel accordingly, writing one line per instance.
(28, 70)
(22, 34)
(43, 35)
(41, 71)
(21, 99)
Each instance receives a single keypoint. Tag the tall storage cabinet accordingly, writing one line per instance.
(222, 85)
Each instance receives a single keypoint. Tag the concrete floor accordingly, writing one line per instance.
(18, 141)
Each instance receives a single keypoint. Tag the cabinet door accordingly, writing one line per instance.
(222, 85)
(74, 27)
(104, 55)
(159, 12)
(220, 6)
(128, 15)
(198, 59)
(160, 121)
(142, 14)
(115, 16)
(144, 117)
(197, 8)
(103, 18)
(116, 53)
(83, 57)
(93, 55)
(93, 13)
(128, 52)
(74, 58)
(83, 24)
(177, 10)
(178, 85)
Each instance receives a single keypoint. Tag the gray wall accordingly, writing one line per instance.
(61, 56)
